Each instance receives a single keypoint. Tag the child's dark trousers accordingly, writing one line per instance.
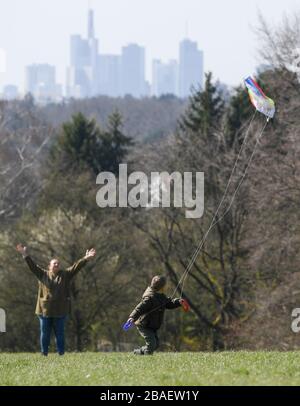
(151, 340)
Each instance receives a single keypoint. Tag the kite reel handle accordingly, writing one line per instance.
(185, 305)
(127, 325)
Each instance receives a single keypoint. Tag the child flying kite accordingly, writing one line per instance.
(149, 313)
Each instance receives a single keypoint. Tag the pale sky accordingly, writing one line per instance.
(38, 31)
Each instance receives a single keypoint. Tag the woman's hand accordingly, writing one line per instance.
(90, 254)
(21, 249)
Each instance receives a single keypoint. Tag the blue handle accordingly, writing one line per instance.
(127, 325)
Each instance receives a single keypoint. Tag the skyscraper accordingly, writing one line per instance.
(133, 71)
(82, 75)
(190, 67)
(80, 53)
(93, 55)
(109, 75)
(41, 82)
(91, 30)
(164, 77)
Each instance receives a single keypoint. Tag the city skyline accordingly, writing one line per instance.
(158, 26)
(91, 73)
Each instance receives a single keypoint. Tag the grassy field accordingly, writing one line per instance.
(227, 368)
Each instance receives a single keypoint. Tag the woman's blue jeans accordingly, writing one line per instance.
(47, 324)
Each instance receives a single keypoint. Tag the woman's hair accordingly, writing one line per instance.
(158, 282)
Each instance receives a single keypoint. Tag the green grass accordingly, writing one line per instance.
(226, 368)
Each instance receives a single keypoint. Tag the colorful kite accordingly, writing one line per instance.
(260, 101)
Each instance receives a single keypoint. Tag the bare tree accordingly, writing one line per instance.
(23, 139)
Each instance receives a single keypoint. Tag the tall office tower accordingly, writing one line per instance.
(41, 82)
(109, 75)
(190, 67)
(79, 72)
(80, 53)
(82, 74)
(164, 77)
(133, 71)
(93, 55)
(91, 30)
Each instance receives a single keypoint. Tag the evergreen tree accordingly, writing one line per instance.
(77, 145)
(82, 144)
(114, 144)
(205, 110)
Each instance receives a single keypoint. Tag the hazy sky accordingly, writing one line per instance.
(38, 31)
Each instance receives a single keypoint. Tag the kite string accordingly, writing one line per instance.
(197, 251)
(231, 202)
(195, 254)
(243, 175)
(214, 221)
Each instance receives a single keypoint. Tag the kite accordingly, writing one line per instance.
(260, 101)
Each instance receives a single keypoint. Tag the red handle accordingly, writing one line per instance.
(185, 305)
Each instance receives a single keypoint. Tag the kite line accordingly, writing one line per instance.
(216, 220)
